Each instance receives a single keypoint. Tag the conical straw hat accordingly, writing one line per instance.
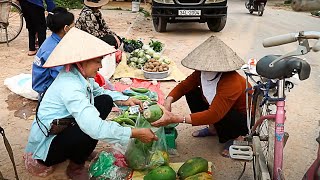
(95, 3)
(213, 55)
(77, 46)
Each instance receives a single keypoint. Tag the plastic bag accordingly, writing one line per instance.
(103, 167)
(145, 156)
(108, 66)
(22, 85)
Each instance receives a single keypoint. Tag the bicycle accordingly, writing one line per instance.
(265, 113)
(11, 21)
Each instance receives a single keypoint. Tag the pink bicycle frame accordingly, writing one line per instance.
(279, 130)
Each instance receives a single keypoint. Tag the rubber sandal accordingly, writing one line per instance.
(225, 151)
(203, 133)
(32, 53)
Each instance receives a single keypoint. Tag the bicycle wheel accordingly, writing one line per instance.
(265, 132)
(14, 25)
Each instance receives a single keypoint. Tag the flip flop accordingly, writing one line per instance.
(203, 133)
(32, 53)
(225, 151)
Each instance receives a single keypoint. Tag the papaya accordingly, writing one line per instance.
(192, 166)
(161, 173)
(200, 176)
(140, 90)
(152, 113)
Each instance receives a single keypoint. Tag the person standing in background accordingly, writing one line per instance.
(33, 13)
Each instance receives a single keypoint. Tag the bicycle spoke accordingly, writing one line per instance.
(14, 26)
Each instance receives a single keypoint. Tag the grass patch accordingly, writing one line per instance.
(69, 4)
(145, 12)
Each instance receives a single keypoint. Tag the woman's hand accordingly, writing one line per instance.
(130, 102)
(167, 118)
(145, 135)
(168, 102)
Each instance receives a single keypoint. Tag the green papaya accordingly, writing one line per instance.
(161, 173)
(153, 113)
(140, 90)
(193, 166)
(200, 176)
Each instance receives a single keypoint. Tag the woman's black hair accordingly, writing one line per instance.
(58, 18)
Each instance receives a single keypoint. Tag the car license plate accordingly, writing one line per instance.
(189, 12)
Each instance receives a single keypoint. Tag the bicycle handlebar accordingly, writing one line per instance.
(292, 37)
(279, 40)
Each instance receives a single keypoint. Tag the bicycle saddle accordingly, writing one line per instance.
(284, 68)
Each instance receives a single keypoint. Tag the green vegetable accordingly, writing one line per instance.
(126, 120)
(156, 56)
(141, 97)
(192, 167)
(136, 44)
(126, 125)
(156, 45)
(133, 117)
(139, 90)
(153, 113)
(132, 64)
(161, 173)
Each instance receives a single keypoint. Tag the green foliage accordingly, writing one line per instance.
(146, 13)
(71, 4)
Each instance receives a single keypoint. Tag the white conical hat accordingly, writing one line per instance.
(95, 3)
(77, 46)
(213, 55)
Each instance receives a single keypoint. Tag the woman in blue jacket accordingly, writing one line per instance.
(59, 21)
(77, 99)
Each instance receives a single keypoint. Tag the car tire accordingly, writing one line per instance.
(160, 24)
(217, 24)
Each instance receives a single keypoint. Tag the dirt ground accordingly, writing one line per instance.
(243, 33)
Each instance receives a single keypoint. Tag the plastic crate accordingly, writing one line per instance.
(171, 135)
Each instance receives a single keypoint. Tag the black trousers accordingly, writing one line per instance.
(111, 40)
(229, 127)
(35, 23)
(72, 143)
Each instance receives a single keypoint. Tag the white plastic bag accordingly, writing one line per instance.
(22, 85)
(108, 66)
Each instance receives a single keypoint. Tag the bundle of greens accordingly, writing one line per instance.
(157, 46)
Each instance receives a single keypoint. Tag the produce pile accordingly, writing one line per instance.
(153, 65)
(140, 53)
(153, 157)
(146, 156)
(193, 169)
(145, 95)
